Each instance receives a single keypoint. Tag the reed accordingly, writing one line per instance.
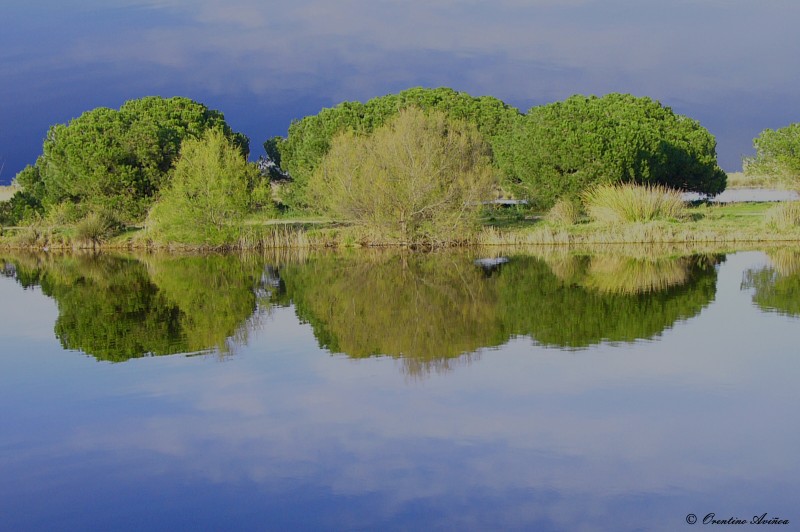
(564, 212)
(783, 216)
(626, 203)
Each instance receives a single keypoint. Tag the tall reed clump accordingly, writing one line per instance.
(784, 215)
(625, 203)
(564, 212)
(96, 227)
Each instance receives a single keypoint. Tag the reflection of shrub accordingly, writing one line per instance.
(622, 275)
(777, 288)
(633, 203)
(783, 216)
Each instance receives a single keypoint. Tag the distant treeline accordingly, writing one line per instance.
(178, 167)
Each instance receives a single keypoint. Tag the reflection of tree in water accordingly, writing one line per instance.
(580, 300)
(777, 287)
(431, 309)
(426, 309)
(116, 308)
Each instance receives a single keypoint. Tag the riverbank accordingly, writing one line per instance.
(715, 224)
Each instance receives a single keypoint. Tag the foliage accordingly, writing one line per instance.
(559, 150)
(785, 215)
(118, 159)
(418, 178)
(209, 194)
(22, 207)
(777, 154)
(633, 203)
(309, 139)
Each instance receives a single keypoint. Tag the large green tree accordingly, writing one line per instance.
(419, 178)
(118, 160)
(311, 138)
(559, 149)
(777, 154)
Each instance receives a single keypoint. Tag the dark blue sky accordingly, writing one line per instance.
(732, 64)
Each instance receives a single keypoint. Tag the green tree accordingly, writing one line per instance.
(21, 207)
(119, 159)
(309, 139)
(209, 193)
(558, 150)
(418, 178)
(777, 154)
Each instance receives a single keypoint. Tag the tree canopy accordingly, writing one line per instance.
(119, 159)
(777, 154)
(309, 139)
(418, 178)
(558, 150)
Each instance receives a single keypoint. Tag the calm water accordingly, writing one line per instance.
(548, 391)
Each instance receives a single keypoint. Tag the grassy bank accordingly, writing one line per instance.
(713, 224)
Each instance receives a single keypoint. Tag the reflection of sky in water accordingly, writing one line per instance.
(731, 64)
(628, 436)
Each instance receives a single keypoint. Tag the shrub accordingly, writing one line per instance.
(118, 159)
(633, 203)
(96, 227)
(777, 154)
(311, 138)
(564, 212)
(419, 179)
(784, 215)
(209, 194)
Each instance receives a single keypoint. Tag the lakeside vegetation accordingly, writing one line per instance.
(419, 168)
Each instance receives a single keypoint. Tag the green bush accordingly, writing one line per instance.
(21, 208)
(310, 139)
(633, 203)
(209, 194)
(420, 178)
(561, 149)
(777, 154)
(118, 159)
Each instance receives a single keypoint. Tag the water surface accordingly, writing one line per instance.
(554, 391)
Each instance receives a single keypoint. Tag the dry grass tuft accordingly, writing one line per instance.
(784, 215)
(564, 212)
(627, 203)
